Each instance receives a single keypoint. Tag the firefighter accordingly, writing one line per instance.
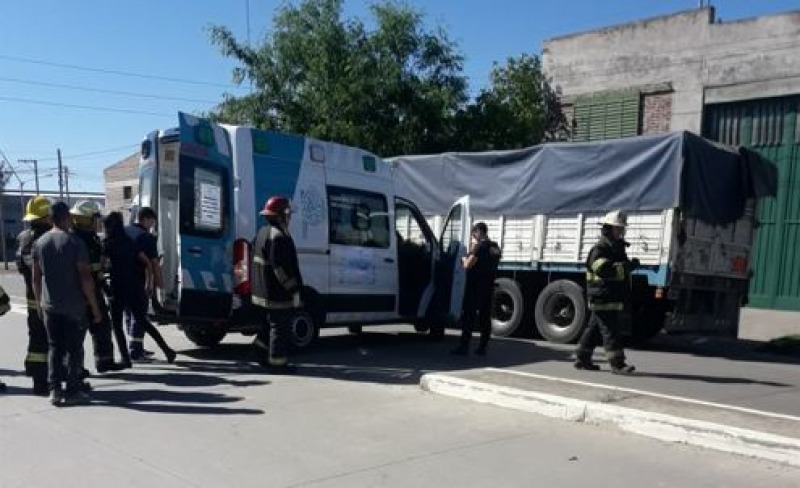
(85, 218)
(37, 214)
(276, 285)
(608, 271)
(5, 306)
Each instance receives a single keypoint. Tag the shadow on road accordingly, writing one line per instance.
(734, 349)
(391, 358)
(171, 402)
(712, 379)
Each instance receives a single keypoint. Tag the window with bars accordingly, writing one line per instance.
(609, 115)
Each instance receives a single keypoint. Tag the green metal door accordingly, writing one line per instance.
(770, 127)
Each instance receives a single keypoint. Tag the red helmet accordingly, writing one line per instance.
(277, 205)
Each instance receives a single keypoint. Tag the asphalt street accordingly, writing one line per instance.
(355, 416)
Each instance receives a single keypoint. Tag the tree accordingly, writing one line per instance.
(393, 90)
(520, 108)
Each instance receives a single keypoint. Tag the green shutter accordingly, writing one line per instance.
(771, 128)
(609, 115)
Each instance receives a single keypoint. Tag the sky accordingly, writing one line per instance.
(60, 61)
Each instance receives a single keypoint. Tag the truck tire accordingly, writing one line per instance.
(648, 321)
(561, 311)
(508, 307)
(204, 336)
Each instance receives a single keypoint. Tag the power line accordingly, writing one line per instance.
(83, 107)
(100, 90)
(127, 147)
(115, 72)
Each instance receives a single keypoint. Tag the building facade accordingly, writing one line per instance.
(122, 184)
(734, 82)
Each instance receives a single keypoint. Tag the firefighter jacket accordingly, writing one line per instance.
(25, 241)
(608, 272)
(94, 248)
(276, 272)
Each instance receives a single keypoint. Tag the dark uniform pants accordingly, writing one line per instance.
(101, 333)
(136, 302)
(36, 359)
(272, 340)
(604, 327)
(477, 308)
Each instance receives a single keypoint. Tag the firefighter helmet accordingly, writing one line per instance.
(38, 207)
(277, 205)
(615, 218)
(86, 208)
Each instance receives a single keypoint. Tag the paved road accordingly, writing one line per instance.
(355, 417)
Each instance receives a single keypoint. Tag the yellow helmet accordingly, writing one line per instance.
(37, 208)
(86, 208)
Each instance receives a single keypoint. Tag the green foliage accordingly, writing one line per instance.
(397, 88)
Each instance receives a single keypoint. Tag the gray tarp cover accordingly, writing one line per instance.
(644, 173)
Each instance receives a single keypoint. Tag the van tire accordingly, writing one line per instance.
(561, 311)
(204, 336)
(508, 307)
(303, 330)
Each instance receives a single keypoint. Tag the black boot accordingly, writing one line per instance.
(622, 369)
(586, 365)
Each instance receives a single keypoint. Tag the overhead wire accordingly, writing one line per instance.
(83, 107)
(115, 72)
(103, 90)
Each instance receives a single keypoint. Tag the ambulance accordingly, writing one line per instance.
(367, 255)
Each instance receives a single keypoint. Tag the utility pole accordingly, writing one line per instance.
(3, 180)
(35, 164)
(66, 181)
(60, 176)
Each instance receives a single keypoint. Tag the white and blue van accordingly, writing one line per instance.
(367, 255)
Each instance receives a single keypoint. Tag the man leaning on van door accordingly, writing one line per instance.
(276, 285)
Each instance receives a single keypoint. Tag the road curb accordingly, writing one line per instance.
(660, 426)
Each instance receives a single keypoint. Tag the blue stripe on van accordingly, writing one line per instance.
(277, 172)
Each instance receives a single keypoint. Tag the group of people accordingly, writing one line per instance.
(608, 272)
(76, 282)
(65, 265)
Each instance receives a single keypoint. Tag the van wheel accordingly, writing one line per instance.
(303, 330)
(507, 307)
(204, 336)
(561, 311)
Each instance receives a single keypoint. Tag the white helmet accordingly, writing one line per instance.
(86, 208)
(615, 218)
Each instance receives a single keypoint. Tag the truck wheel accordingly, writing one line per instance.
(648, 320)
(561, 311)
(508, 307)
(303, 330)
(204, 336)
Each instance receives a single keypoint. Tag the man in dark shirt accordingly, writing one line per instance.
(146, 278)
(481, 265)
(63, 286)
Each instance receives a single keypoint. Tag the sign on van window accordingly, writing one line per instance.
(208, 200)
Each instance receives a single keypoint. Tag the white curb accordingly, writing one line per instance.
(664, 427)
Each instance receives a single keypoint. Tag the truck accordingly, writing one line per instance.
(207, 183)
(691, 205)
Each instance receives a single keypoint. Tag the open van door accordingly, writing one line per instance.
(205, 221)
(451, 277)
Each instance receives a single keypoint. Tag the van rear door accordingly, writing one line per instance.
(205, 237)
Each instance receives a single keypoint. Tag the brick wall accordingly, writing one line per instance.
(121, 184)
(656, 113)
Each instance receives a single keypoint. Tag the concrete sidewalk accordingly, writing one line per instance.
(764, 435)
